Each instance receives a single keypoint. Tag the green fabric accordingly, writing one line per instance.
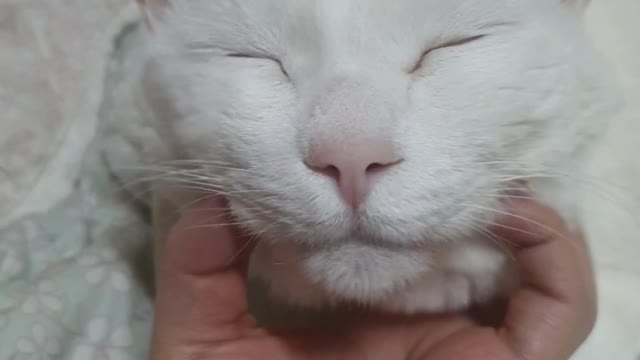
(71, 280)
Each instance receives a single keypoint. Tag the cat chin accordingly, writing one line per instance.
(446, 278)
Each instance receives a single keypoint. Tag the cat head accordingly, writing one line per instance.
(395, 123)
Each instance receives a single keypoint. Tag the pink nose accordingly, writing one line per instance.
(353, 165)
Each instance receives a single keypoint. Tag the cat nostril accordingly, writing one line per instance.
(331, 171)
(354, 165)
(334, 172)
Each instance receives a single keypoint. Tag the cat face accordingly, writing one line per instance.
(444, 105)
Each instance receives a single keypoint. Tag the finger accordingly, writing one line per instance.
(201, 295)
(554, 311)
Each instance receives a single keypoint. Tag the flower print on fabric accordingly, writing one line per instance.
(103, 267)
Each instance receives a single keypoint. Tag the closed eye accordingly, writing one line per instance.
(248, 56)
(449, 44)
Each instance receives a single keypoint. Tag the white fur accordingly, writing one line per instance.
(525, 102)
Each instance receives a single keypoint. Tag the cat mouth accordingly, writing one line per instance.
(365, 238)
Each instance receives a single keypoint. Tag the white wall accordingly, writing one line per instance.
(613, 207)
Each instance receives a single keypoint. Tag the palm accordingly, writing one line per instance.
(201, 308)
(439, 338)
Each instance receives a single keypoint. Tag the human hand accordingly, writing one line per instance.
(202, 313)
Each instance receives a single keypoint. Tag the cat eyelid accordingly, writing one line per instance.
(449, 44)
(259, 57)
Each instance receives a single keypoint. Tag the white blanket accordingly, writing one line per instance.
(53, 57)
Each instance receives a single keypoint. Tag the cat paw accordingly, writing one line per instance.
(476, 276)
(442, 292)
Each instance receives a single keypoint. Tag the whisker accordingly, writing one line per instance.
(505, 196)
(508, 228)
(498, 240)
(553, 231)
(251, 241)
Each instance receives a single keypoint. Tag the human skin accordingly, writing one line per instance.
(202, 312)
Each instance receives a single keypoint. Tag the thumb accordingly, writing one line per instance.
(554, 311)
(201, 292)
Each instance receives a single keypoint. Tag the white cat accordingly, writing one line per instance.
(370, 143)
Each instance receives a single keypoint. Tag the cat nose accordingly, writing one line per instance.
(353, 165)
